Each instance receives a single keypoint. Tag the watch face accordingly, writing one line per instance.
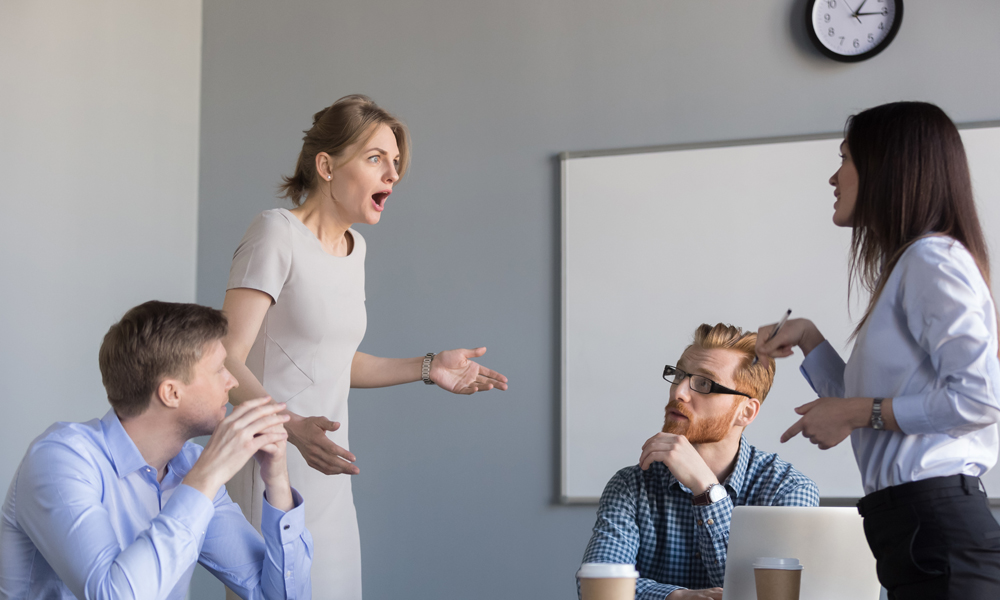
(853, 30)
(718, 492)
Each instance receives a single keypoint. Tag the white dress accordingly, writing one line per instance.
(302, 356)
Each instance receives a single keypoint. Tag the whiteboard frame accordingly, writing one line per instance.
(564, 498)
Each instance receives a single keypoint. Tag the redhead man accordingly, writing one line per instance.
(669, 515)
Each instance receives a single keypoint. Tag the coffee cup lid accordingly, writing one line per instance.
(788, 564)
(600, 570)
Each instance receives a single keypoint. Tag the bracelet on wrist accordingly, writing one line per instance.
(425, 369)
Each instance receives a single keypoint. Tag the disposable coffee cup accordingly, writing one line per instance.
(607, 581)
(777, 578)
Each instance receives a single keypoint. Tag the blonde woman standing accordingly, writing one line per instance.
(296, 307)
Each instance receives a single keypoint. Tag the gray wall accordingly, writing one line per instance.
(99, 110)
(457, 495)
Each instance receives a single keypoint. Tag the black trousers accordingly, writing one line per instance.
(934, 538)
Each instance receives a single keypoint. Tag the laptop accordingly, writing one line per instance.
(829, 543)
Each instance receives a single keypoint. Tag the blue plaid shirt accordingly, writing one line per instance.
(646, 518)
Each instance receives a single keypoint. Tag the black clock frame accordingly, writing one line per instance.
(854, 57)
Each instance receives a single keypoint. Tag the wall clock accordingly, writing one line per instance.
(853, 30)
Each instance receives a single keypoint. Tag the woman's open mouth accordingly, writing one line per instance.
(379, 200)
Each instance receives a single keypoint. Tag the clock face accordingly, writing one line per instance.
(853, 30)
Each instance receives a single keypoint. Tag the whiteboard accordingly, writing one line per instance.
(659, 240)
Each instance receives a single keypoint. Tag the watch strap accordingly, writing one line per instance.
(877, 422)
(425, 369)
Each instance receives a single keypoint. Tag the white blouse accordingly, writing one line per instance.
(930, 344)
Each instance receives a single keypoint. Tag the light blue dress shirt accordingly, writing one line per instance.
(86, 518)
(930, 344)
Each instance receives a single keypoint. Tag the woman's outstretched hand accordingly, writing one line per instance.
(452, 370)
(308, 434)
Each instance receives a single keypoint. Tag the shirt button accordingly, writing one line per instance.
(710, 521)
(287, 527)
(288, 574)
(700, 522)
(697, 554)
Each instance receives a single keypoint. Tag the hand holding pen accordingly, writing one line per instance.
(777, 341)
(770, 337)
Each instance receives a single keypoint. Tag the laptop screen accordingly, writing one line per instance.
(829, 543)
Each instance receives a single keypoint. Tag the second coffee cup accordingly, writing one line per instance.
(607, 581)
(777, 578)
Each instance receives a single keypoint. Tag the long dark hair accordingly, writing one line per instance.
(913, 181)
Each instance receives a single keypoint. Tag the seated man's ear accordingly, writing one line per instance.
(747, 413)
(168, 393)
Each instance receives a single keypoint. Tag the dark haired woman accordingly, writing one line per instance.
(296, 307)
(919, 394)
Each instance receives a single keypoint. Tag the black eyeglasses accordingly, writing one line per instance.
(700, 384)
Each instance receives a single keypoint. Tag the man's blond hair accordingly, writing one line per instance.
(750, 379)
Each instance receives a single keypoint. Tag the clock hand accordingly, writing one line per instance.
(854, 13)
(871, 13)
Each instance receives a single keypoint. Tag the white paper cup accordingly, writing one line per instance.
(777, 578)
(607, 581)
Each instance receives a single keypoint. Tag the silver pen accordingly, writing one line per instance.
(774, 333)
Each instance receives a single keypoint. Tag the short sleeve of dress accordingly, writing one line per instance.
(263, 259)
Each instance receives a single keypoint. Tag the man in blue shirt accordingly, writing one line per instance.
(124, 506)
(669, 515)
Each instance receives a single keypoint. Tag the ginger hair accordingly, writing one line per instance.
(750, 379)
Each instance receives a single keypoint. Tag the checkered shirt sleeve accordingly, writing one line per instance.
(646, 518)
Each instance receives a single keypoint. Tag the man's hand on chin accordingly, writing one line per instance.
(709, 594)
(677, 453)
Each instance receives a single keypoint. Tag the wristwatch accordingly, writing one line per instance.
(877, 422)
(425, 368)
(713, 494)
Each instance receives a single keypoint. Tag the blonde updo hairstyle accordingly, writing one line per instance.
(347, 121)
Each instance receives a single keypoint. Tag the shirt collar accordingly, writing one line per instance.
(178, 466)
(735, 479)
(733, 483)
(125, 456)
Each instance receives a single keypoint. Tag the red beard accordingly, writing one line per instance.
(700, 431)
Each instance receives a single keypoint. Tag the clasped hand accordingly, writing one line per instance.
(453, 371)
(255, 429)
